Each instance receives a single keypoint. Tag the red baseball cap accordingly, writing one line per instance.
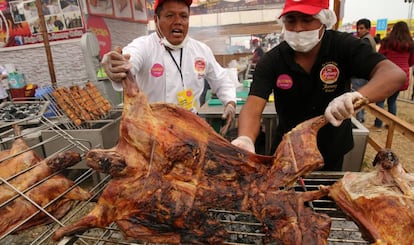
(159, 2)
(310, 7)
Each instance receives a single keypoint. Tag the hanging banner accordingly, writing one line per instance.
(3, 5)
(21, 24)
(222, 6)
(143, 10)
(98, 26)
(129, 10)
(382, 25)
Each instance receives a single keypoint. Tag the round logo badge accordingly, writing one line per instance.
(329, 73)
(284, 81)
(157, 70)
(200, 65)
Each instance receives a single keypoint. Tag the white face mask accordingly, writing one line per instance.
(302, 41)
(165, 42)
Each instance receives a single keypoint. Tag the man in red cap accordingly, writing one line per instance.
(171, 67)
(309, 74)
(257, 51)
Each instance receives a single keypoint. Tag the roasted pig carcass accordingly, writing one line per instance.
(42, 187)
(381, 202)
(170, 167)
(17, 158)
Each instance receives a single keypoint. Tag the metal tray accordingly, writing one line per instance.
(22, 112)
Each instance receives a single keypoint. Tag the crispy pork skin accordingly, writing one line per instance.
(42, 186)
(381, 202)
(41, 171)
(289, 220)
(170, 167)
(17, 158)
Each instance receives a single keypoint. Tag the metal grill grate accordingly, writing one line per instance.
(243, 228)
(32, 136)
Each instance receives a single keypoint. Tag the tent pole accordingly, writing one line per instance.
(337, 10)
(45, 35)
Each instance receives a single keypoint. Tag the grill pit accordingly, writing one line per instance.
(243, 228)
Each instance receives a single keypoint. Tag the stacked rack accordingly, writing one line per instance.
(77, 106)
(25, 179)
(82, 112)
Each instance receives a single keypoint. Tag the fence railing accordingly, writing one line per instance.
(394, 124)
(407, 95)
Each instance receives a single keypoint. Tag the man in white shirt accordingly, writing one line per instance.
(169, 66)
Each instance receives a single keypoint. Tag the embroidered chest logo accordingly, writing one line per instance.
(329, 73)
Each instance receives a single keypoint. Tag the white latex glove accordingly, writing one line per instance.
(116, 65)
(341, 108)
(245, 143)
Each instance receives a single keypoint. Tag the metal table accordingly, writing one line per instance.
(269, 119)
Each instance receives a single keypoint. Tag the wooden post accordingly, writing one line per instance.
(45, 35)
(337, 10)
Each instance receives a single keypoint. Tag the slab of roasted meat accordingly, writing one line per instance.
(42, 186)
(170, 167)
(17, 158)
(381, 202)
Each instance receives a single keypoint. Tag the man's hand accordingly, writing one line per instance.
(229, 111)
(228, 114)
(245, 143)
(341, 107)
(116, 65)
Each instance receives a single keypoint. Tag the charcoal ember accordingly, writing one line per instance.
(16, 111)
(243, 228)
(8, 116)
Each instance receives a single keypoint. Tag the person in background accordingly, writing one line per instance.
(412, 93)
(398, 47)
(169, 66)
(58, 23)
(309, 74)
(258, 51)
(49, 24)
(3, 75)
(377, 38)
(45, 8)
(363, 32)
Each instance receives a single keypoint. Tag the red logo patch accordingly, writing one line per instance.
(284, 81)
(200, 65)
(157, 70)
